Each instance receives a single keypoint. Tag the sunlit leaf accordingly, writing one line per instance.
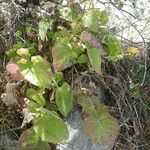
(30, 141)
(64, 98)
(50, 128)
(44, 25)
(37, 71)
(93, 18)
(23, 52)
(90, 20)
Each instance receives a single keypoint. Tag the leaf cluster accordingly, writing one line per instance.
(65, 47)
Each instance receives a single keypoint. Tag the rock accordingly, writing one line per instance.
(77, 139)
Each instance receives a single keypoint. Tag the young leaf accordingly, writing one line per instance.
(44, 25)
(50, 128)
(100, 126)
(23, 52)
(64, 99)
(29, 140)
(37, 71)
(95, 58)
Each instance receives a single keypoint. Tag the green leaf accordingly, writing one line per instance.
(103, 17)
(93, 18)
(29, 140)
(112, 45)
(67, 13)
(63, 53)
(64, 100)
(100, 126)
(33, 107)
(37, 71)
(58, 78)
(90, 20)
(35, 96)
(50, 128)
(23, 52)
(82, 59)
(44, 25)
(12, 53)
(95, 58)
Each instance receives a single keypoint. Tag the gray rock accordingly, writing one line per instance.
(77, 139)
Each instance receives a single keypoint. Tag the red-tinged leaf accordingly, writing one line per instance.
(14, 70)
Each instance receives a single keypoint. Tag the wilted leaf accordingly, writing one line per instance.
(64, 98)
(132, 51)
(94, 42)
(44, 25)
(37, 71)
(27, 116)
(30, 141)
(100, 126)
(50, 128)
(95, 58)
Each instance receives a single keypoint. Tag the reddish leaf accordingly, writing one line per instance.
(14, 70)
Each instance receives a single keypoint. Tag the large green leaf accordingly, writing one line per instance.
(30, 141)
(37, 71)
(95, 58)
(44, 25)
(50, 128)
(100, 126)
(64, 98)
(93, 18)
(63, 53)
